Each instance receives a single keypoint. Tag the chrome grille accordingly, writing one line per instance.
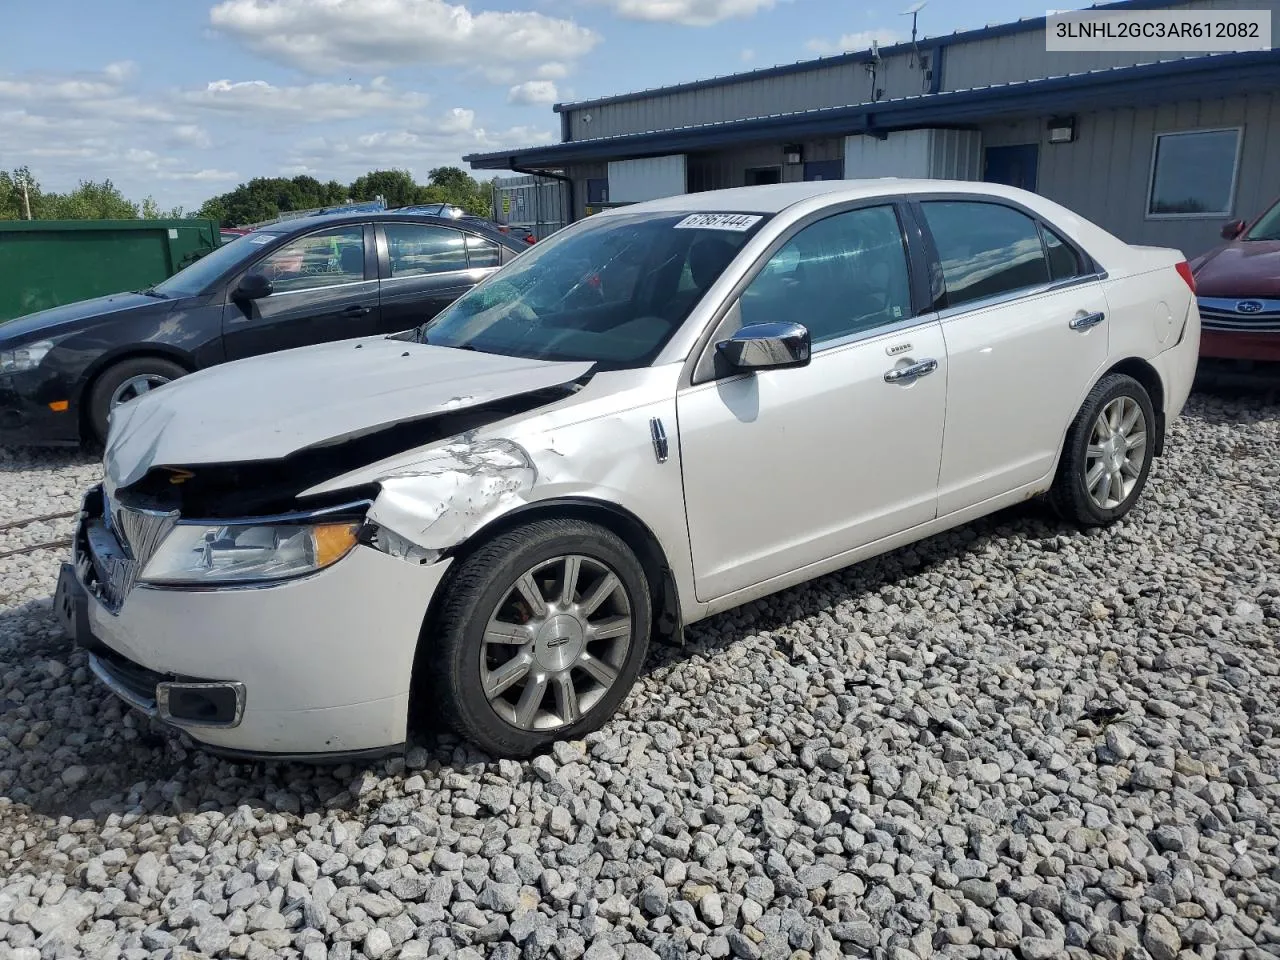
(1239, 315)
(140, 533)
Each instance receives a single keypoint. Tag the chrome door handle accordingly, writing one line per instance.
(920, 369)
(1087, 321)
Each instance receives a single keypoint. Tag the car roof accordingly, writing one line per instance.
(286, 227)
(775, 197)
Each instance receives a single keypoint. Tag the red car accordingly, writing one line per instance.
(1238, 290)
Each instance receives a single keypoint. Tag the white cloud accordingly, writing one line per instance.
(552, 71)
(417, 147)
(746, 56)
(321, 35)
(313, 102)
(121, 70)
(855, 41)
(190, 135)
(533, 92)
(688, 13)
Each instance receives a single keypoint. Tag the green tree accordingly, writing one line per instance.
(12, 206)
(460, 188)
(90, 201)
(395, 186)
(151, 211)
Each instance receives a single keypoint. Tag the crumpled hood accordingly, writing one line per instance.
(270, 406)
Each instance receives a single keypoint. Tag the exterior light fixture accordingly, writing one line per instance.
(1062, 129)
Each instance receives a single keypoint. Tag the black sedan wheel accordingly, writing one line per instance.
(123, 382)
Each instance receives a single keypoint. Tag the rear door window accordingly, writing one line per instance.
(986, 249)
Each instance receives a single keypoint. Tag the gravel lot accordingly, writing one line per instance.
(1012, 740)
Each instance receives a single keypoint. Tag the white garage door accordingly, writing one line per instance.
(633, 181)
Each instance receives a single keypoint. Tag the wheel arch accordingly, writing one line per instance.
(1149, 377)
(667, 620)
(121, 354)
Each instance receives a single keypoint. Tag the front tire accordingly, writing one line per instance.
(123, 382)
(541, 635)
(1108, 453)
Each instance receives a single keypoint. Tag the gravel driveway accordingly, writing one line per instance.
(1012, 740)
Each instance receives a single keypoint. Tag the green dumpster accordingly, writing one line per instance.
(47, 263)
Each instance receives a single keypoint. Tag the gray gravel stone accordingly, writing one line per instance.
(1015, 739)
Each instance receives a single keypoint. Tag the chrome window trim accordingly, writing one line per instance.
(330, 286)
(899, 326)
(1009, 296)
(465, 274)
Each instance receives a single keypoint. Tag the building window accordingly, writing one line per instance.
(598, 191)
(1193, 174)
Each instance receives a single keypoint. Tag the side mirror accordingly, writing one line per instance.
(763, 346)
(252, 286)
(1233, 229)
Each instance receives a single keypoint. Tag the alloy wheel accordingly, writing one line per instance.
(1116, 453)
(135, 387)
(556, 642)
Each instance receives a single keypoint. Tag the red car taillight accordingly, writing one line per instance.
(1184, 271)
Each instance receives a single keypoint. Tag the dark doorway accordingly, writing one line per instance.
(824, 170)
(758, 176)
(1013, 166)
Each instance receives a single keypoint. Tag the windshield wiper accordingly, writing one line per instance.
(152, 292)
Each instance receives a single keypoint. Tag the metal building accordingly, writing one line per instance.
(1159, 148)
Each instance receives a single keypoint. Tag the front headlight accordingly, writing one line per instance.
(194, 553)
(26, 357)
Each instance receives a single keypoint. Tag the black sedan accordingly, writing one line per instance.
(285, 285)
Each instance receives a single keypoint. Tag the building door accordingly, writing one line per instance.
(761, 175)
(1013, 166)
(824, 170)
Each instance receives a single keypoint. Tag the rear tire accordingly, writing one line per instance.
(516, 659)
(1108, 453)
(121, 383)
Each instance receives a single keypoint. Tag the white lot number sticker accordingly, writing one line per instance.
(718, 221)
(265, 238)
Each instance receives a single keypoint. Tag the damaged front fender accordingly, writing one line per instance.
(440, 500)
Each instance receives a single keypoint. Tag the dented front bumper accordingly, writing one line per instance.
(319, 665)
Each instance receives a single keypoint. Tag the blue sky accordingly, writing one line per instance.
(183, 99)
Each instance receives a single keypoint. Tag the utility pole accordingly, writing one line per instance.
(26, 201)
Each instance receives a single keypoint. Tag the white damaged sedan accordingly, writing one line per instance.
(658, 413)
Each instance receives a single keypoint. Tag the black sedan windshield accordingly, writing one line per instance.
(196, 278)
(611, 290)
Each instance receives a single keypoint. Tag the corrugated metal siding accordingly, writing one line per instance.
(834, 86)
(1022, 56)
(904, 154)
(539, 203)
(942, 154)
(633, 181)
(978, 63)
(1104, 174)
